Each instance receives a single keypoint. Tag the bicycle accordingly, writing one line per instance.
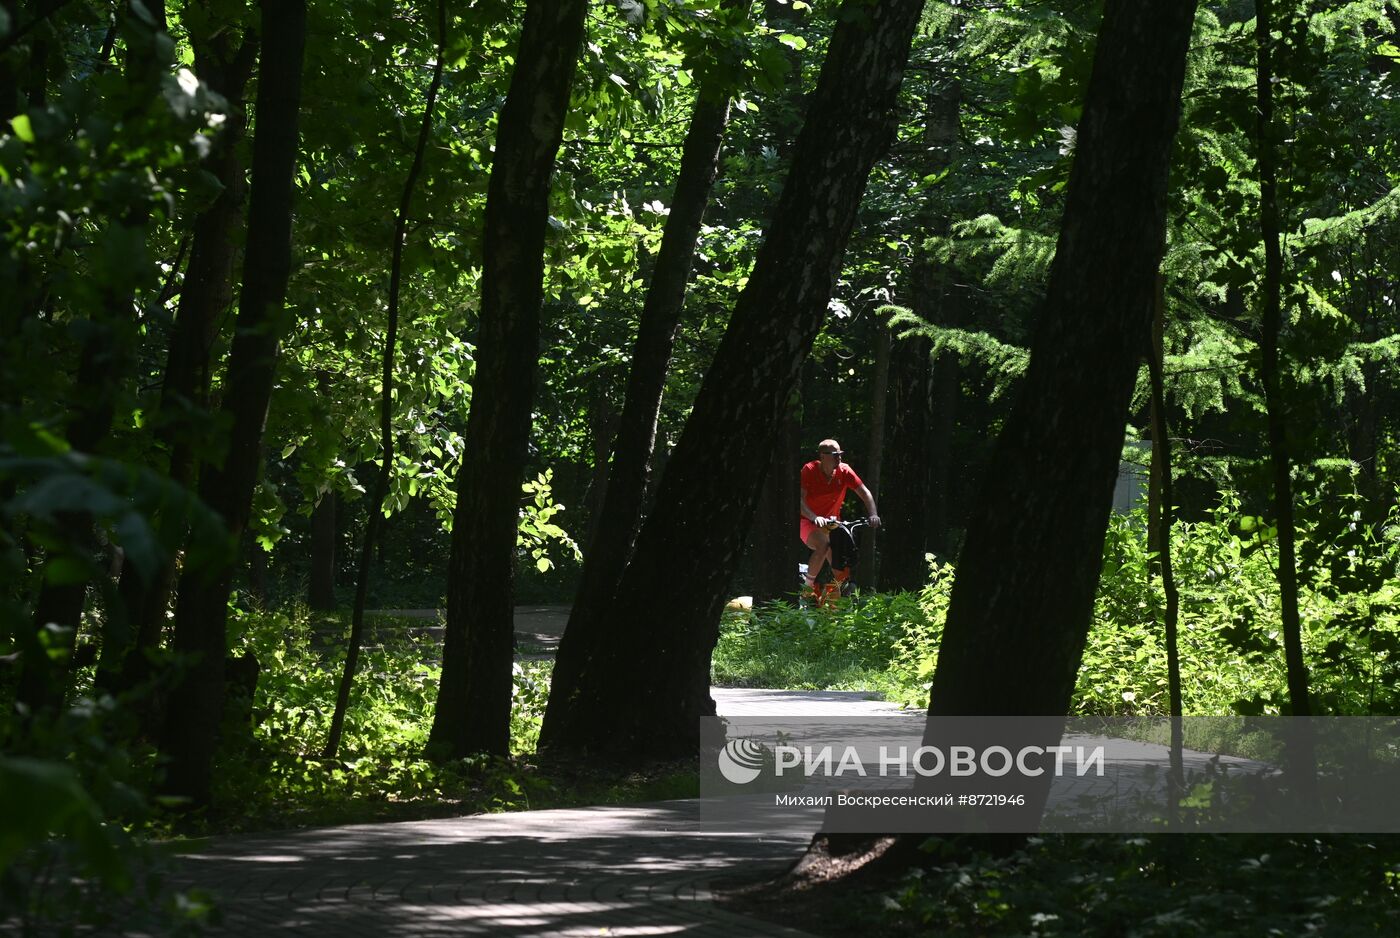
(845, 553)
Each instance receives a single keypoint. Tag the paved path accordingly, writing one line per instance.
(632, 870)
(538, 628)
(616, 870)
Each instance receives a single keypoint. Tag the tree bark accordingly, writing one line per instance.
(386, 401)
(1270, 372)
(205, 293)
(915, 493)
(1162, 481)
(321, 591)
(1023, 599)
(602, 427)
(942, 133)
(868, 573)
(1301, 753)
(776, 545)
(708, 495)
(473, 707)
(196, 700)
(904, 492)
(9, 84)
(945, 395)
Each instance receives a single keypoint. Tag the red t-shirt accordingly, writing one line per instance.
(824, 496)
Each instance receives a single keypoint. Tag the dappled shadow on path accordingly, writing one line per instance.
(617, 871)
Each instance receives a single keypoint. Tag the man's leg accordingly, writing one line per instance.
(820, 543)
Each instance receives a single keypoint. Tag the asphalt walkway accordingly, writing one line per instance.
(613, 870)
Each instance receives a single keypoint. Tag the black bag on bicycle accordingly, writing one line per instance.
(844, 552)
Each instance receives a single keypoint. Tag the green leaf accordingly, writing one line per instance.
(45, 798)
(22, 127)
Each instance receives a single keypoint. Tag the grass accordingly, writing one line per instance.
(871, 645)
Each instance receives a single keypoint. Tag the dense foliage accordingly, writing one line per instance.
(129, 131)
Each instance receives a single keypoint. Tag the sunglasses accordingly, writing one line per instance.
(838, 454)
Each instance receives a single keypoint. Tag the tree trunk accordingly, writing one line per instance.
(321, 594)
(945, 395)
(1162, 480)
(107, 355)
(1023, 599)
(386, 401)
(1300, 755)
(196, 701)
(255, 562)
(473, 707)
(9, 84)
(904, 495)
(915, 493)
(708, 495)
(621, 514)
(868, 573)
(775, 540)
(602, 427)
(205, 293)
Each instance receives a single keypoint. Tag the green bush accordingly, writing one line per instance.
(1230, 636)
(69, 862)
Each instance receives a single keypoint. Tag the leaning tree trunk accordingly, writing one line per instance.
(1023, 598)
(197, 699)
(386, 400)
(473, 707)
(708, 495)
(621, 514)
(776, 547)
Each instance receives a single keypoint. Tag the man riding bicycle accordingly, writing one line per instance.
(825, 481)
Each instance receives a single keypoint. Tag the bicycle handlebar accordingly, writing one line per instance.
(849, 525)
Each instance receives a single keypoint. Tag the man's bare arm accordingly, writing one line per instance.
(870, 508)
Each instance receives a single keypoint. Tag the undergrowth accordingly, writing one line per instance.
(1230, 640)
(272, 772)
(1161, 886)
